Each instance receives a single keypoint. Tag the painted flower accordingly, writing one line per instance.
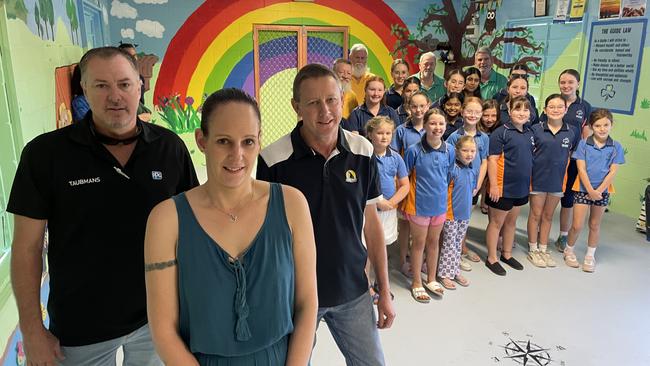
(189, 100)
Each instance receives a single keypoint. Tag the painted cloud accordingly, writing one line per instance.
(123, 10)
(150, 28)
(127, 33)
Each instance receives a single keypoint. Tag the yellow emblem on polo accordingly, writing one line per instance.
(350, 176)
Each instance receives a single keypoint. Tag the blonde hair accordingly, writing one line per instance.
(375, 122)
(433, 111)
(463, 140)
(476, 100)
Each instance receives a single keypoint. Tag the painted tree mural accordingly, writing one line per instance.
(16, 9)
(44, 12)
(441, 20)
(71, 10)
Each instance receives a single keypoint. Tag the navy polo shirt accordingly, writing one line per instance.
(391, 166)
(404, 136)
(393, 98)
(428, 176)
(505, 116)
(515, 163)
(361, 115)
(460, 192)
(598, 160)
(337, 189)
(551, 156)
(96, 212)
(403, 115)
(482, 141)
(451, 128)
(576, 115)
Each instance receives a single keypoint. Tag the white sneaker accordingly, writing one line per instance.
(465, 265)
(536, 258)
(550, 262)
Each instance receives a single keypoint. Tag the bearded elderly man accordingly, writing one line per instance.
(360, 71)
(93, 184)
(343, 68)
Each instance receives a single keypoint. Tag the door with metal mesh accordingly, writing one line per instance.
(279, 52)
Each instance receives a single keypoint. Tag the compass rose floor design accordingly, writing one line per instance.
(541, 316)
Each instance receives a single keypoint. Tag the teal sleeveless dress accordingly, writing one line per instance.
(236, 311)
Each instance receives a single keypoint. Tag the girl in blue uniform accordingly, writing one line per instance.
(472, 111)
(411, 86)
(373, 105)
(598, 158)
(578, 110)
(391, 169)
(452, 104)
(405, 135)
(472, 82)
(462, 184)
(454, 83)
(517, 86)
(488, 123)
(554, 143)
(428, 163)
(509, 168)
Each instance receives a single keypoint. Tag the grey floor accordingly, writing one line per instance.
(527, 317)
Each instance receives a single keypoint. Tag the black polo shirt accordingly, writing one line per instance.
(337, 190)
(97, 212)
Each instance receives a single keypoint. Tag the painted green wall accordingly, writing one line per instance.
(28, 64)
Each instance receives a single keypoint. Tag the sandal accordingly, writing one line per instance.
(435, 288)
(447, 283)
(420, 295)
(459, 279)
(472, 256)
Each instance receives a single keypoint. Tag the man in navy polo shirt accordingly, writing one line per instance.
(93, 184)
(337, 173)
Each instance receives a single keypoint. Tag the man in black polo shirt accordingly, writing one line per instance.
(93, 183)
(337, 173)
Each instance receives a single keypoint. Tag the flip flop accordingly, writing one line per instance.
(435, 288)
(420, 295)
(447, 283)
(472, 256)
(461, 280)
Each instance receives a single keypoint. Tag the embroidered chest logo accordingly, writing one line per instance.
(580, 114)
(82, 181)
(350, 176)
(565, 142)
(156, 175)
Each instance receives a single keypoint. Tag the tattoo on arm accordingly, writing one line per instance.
(148, 267)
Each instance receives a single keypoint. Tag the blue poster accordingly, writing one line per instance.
(613, 64)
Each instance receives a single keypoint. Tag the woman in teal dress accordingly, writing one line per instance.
(230, 265)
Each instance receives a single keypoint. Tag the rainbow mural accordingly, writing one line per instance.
(214, 47)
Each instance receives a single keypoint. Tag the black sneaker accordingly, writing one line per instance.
(512, 262)
(495, 268)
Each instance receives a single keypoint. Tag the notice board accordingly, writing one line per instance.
(614, 64)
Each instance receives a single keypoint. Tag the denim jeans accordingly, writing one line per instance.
(137, 346)
(354, 328)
